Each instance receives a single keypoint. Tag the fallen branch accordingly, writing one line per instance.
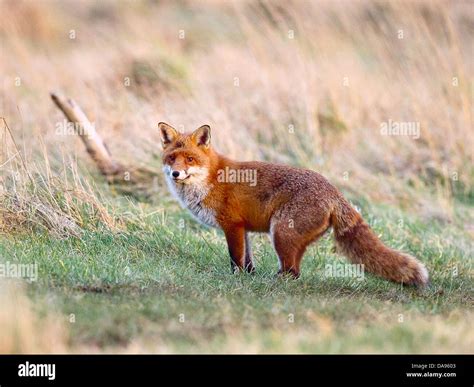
(95, 146)
(137, 181)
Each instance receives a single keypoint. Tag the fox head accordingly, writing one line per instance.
(186, 156)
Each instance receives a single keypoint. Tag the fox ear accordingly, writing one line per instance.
(168, 134)
(202, 136)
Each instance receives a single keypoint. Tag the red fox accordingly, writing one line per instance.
(295, 206)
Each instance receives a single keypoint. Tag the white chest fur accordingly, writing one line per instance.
(191, 197)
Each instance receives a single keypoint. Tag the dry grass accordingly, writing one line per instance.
(35, 198)
(23, 329)
(320, 333)
(238, 70)
(48, 202)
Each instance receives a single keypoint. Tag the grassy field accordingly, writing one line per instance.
(165, 288)
(310, 84)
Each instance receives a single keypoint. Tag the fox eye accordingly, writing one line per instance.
(171, 158)
(190, 159)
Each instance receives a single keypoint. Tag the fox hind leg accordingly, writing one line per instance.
(289, 248)
(291, 238)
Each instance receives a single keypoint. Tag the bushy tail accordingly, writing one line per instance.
(357, 241)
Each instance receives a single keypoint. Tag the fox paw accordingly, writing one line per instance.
(293, 274)
(250, 268)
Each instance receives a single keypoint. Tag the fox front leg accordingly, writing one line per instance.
(235, 237)
(248, 255)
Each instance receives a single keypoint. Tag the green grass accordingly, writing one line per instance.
(128, 290)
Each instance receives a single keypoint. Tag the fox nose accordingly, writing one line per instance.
(175, 173)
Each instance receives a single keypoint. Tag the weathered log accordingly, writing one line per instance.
(138, 181)
(95, 146)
